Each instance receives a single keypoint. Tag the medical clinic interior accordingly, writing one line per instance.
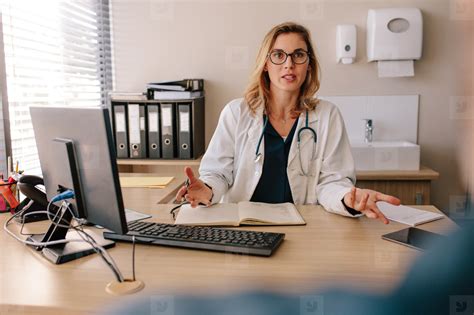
(171, 157)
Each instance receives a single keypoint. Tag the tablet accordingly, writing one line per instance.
(414, 238)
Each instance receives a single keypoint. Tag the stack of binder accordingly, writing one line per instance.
(159, 129)
(170, 90)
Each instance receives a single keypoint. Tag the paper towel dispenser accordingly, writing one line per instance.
(394, 34)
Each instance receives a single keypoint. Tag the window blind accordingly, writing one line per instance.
(57, 53)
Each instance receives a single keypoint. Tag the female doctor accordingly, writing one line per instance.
(280, 143)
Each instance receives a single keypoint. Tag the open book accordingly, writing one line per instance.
(242, 213)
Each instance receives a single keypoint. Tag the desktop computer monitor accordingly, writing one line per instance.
(76, 152)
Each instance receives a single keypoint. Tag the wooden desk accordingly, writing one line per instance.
(331, 250)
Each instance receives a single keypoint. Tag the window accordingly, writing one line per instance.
(57, 53)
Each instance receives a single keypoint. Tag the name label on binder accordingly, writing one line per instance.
(166, 117)
(134, 115)
(120, 122)
(184, 122)
(153, 121)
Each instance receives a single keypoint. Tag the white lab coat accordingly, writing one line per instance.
(229, 166)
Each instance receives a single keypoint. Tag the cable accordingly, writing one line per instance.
(97, 248)
(133, 257)
(5, 227)
(85, 237)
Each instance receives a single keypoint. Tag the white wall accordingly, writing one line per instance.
(218, 40)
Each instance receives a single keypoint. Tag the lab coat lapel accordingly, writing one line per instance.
(306, 138)
(255, 130)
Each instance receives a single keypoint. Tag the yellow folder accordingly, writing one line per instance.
(145, 181)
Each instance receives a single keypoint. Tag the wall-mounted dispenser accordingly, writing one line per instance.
(346, 43)
(394, 40)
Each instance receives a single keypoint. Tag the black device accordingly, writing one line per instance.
(74, 156)
(32, 187)
(414, 238)
(201, 237)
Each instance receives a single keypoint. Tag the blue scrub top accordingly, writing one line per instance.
(273, 186)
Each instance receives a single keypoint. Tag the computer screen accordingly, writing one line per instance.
(99, 197)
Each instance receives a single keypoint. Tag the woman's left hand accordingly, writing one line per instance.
(364, 200)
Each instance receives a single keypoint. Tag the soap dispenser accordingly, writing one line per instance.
(346, 43)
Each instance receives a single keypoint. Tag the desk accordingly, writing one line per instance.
(331, 250)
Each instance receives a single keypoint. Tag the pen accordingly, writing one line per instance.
(16, 169)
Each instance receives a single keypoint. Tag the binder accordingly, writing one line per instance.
(181, 85)
(120, 129)
(137, 130)
(168, 139)
(175, 95)
(154, 139)
(184, 130)
(197, 127)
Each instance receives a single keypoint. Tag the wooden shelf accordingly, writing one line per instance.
(158, 162)
(425, 173)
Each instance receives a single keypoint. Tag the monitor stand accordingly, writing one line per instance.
(65, 252)
(62, 253)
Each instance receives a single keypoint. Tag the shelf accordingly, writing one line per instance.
(158, 162)
(424, 173)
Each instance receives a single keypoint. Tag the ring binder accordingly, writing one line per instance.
(120, 129)
(136, 130)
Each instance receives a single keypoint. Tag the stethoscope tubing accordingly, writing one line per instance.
(258, 155)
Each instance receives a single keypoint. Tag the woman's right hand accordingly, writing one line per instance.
(195, 192)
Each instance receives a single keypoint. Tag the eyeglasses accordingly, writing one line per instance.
(278, 56)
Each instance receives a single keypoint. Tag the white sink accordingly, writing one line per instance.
(386, 155)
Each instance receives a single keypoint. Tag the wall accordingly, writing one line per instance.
(218, 41)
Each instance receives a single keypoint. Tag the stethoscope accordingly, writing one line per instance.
(306, 128)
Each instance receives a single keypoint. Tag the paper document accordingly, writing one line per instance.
(145, 181)
(132, 215)
(407, 215)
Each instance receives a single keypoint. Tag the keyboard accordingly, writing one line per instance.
(201, 237)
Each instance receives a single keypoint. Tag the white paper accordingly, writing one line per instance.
(395, 68)
(132, 215)
(153, 121)
(119, 122)
(184, 121)
(134, 122)
(407, 215)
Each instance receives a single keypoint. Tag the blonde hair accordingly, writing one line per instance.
(258, 91)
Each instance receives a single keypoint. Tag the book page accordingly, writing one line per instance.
(278, 213)
(407, 215)
(218, 214)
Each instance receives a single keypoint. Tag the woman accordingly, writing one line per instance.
(280, 143)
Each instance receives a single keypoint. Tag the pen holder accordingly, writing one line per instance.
(8, 201)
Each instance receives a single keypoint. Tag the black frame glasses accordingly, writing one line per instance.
(292, 55)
